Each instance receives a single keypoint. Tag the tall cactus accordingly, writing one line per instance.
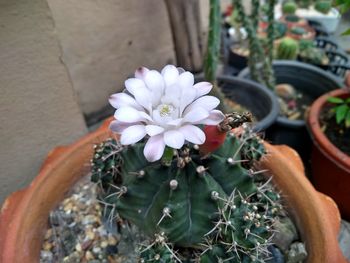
(195, 201)
(260, 61)
(213, 51)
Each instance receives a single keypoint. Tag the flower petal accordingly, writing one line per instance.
(132, 134)
(153, 130)
(174, 139)
(154, 148)
(206, 102)
(154, 82)
(180, 70)
(170, 74)
(196, 115)
(140, 73)
(202, 88)
(133, 85)
(186, 80)
(193, 134)
(187, 97)
(128, 115)
(122, 99)
(214, 118)
(143, 97)
(175, 122)
(118, 126)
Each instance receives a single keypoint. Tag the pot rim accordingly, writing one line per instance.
(17, 246)
(274, 110)
(296, 124)
(319, 138)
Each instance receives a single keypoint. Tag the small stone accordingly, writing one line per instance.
(78, 247)
(297, 253)
(90, 234)
(285, 91)
(104, 244)
(48, 233)
(294, 116)
(89, 255)
(46, 255)
(47, 246)
(96, 250)
(285, 234)
(89, 219)
(110, 250)
(276, 255)
(86, 244)
(112, 240)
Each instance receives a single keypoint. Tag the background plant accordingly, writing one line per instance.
(260, 51)
(341, 110)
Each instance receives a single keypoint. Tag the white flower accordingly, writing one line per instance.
(166, 106)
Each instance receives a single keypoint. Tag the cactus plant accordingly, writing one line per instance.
(287, 49)
(304, 3)
(209, 203)
(260, 56)
(289, 7)
(297, 30)
(323, 6)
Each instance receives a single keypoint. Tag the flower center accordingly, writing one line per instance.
(165, 110)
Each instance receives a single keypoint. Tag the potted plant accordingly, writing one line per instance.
(290, 128)
(329, 126)
(294, 97)
(320, 11)
(150, 184)
(234, 92)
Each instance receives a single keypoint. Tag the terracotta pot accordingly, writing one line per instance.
(24, 215)
(309, 35)
(330, 166)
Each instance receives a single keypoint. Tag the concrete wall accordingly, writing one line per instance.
(62, 58)
(104, 41)
(38, 109)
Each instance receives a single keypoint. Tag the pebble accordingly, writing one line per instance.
(76, 232)
(89, 255)
(297, 253)
(285, 91)
(285, 234)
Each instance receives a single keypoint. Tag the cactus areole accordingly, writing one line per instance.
(187, 189)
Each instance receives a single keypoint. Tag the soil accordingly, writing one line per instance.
(78, 232)
(337, 134)
(295, 106)
(236, 107)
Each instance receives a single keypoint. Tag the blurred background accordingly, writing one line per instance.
(60, 61)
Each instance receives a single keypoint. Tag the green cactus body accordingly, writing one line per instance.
(297, 30)
(289, 7)
(292, 18)
(287, 49)
(204, 204)
(323, 6)
(304, 3)
(177, 201)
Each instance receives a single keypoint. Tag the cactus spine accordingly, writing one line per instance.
(287, 49)
(211, 205)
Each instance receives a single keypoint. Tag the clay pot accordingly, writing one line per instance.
(330, 166)
(24, 215)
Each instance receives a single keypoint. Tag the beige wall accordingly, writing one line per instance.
(38, 109)
(104, 42)
(60, 58)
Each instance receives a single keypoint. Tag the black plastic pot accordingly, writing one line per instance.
(259, 100)
(236, 60)
(309, 80)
